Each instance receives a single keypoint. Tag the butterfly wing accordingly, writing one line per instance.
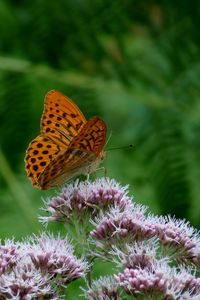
(92, 136)
(62, 120)
(82, 156)
(39, 154)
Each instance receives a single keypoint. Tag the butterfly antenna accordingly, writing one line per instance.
(123, 147)
(108, 138)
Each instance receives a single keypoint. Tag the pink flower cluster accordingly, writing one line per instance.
(105, 288)
(79, 197)
(55, 257)
(37, 267)
(160, 281)
(117, 223)
(9, 254)
(177, 238)
(155, 257)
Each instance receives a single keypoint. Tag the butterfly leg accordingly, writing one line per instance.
(87, 182)
(105, 171)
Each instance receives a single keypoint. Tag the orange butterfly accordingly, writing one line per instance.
(68, 146)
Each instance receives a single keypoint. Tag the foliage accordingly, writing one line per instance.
(136, 64)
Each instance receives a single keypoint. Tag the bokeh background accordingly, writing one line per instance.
(134, 63)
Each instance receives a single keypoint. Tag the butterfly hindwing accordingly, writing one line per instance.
(80, 156)
(65, 166)
(92, 137)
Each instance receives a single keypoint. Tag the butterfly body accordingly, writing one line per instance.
(68, 145)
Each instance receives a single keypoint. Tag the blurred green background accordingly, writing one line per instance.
(134, 63)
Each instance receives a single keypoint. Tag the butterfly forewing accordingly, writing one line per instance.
(82, 156)
(61, 120)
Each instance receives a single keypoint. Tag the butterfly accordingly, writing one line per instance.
(68, 145)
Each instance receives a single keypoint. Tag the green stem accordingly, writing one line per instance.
(82, 233)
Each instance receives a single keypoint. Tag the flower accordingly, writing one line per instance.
(182, 284)
(25, 282)
(9, 255)
(81, 196)
(55, 256)
(143, 281)
(177, 237)
(120, 226)
(37, 267)
(105, 288)
(138, 254)
(160, 281)
(196, 254)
